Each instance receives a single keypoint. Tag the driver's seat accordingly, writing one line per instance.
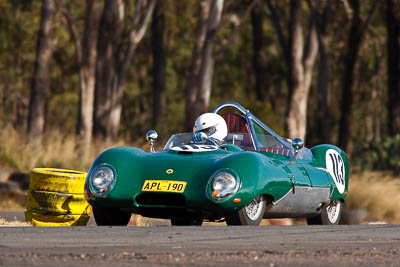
(236, 123)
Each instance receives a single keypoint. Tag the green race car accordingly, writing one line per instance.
(251, 174)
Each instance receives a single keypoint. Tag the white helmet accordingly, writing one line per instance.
(211, 124)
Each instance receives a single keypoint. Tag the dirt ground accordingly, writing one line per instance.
(348, 245)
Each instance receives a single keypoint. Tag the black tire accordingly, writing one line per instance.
(110, 217)
(330, 215)
(251, 214)
(186, 222)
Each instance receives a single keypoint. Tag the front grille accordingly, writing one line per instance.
(161, 199)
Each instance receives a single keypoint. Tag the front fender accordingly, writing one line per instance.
(127, 163)
(259, 175)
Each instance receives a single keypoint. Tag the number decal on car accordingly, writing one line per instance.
(336, 168)
(194, 148)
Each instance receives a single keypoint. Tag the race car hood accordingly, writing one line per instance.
(134, 166)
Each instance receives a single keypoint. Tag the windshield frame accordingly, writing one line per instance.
(250, 118)
(186, 138)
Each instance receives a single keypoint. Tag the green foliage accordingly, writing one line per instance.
(384, 155)
(172, 121)
(64, 110)
(19, 22)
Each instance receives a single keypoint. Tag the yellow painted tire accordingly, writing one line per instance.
(59, 203)
(57, 180)
(39, 219)
(55, 198)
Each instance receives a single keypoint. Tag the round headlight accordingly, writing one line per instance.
(102, 179)
(224, 184)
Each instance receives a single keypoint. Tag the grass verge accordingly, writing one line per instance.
(377, 193)
(57, 151)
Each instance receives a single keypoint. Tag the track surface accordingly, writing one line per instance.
(350, 245)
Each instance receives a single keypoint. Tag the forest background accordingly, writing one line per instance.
(77, 77)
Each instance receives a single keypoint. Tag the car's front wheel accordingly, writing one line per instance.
(251, 214)
(329, 215)
(110, 217)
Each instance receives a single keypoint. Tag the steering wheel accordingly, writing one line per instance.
(200, 137)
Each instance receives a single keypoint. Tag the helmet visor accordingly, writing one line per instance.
(208, 131)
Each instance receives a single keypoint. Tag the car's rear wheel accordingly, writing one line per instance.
(251, 214)
(108, 216)
(187, 222)
(329, 215)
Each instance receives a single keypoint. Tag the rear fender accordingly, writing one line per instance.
(335, 162)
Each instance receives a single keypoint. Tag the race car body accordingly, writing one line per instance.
(253, 174)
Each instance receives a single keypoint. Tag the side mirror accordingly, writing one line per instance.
(297, 144)
(151, 137)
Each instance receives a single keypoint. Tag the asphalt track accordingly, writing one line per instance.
(348, 245)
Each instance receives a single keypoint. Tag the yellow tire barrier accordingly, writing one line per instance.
(57, 180)
(40, 219)
(55, 198)
(54, 202)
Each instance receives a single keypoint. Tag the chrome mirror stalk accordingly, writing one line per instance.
(151, 137)
(297, 144)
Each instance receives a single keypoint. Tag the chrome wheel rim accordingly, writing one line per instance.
(333, 211)
(254, 209)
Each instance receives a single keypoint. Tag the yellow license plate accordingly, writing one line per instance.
(164, 186)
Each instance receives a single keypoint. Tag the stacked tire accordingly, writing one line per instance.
(55, 198)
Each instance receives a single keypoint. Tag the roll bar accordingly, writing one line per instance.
(251, 118)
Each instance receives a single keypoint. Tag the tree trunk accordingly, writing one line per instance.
(300, 62)
(207, 68)
(159, 98)
(353, 45)
(393, 34)
(87, 73)
(192, 84)
(296, 70)
(259, 57)
(276, 22)
(107, 59)
(41, 83)
(323, 73)
(114, 60)
(301, 69)
(357, 29)
(198, 87)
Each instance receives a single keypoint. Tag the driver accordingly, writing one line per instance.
(212, 125)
